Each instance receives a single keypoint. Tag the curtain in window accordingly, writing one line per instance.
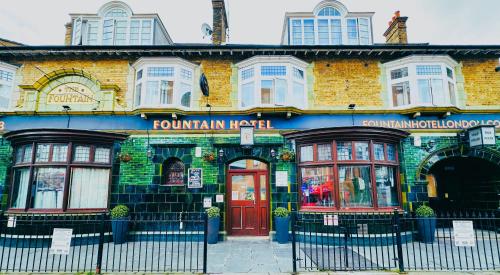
(89, 188)
(298, 95)
(5, 95)
(152, 93)
(49, 187)
(247, 95)
(281, 87)
(21, 182)
(438, 96)
(386, 186)
(424, 91)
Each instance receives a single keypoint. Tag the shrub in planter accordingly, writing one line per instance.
(213, 224)
(281, 220)
(209, 157)
(426, 223)
(119, 223)
(287, 155)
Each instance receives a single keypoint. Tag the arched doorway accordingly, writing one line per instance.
(464, 184)
(248, 198)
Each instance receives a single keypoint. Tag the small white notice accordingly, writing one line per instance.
(281, 178)
(197, 152)
(61, 241)
(336, 220)
(463, 233)
(219, 198)
(207, 202)
(328, 219)
(11, 222)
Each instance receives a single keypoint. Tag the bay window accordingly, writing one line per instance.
(7, 73)
(59, 172)
(272, 82)
(164, 83)
(422, 81)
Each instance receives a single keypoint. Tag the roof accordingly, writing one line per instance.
(186, 50)
(6, 42)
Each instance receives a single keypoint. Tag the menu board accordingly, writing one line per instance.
(195, 176)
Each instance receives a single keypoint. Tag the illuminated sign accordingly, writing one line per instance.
(69, 93)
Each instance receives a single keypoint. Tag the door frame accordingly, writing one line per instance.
(256, 174)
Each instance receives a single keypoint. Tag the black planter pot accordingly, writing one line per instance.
(213, 230)
(120, 230)
(282, 235)
(426, 229)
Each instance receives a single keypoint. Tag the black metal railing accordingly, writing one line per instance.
(392, 241)
(167, 242)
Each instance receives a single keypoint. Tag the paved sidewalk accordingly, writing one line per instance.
(244, 255)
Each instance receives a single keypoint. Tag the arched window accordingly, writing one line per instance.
(329, 11)
(174, 172)
(329, 26)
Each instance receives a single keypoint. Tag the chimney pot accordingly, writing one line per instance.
(396, 32)
(219, 23)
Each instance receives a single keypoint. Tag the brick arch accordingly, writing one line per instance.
(488, 154)
(54, 75)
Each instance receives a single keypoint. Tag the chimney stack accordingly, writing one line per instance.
(219, 23)
(69, 33)
(396, 33)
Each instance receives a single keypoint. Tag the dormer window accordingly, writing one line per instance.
(163, 83)
(114, 31)
(329, 24)
(272, 82)
(422, 81)
(7, 73)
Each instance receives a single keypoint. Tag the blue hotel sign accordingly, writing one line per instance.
(233, 122)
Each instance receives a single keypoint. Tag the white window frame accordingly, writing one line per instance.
(256, 63)
(10, 69)
(411, 63)
(178, 64)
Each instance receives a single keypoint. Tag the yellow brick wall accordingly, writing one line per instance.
(218, 73)
(108, 72)
(341, 82)
(482, 83)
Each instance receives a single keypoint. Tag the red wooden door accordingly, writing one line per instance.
(248, 203)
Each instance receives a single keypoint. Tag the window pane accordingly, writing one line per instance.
(19, 154)
(167, 92)
(89, 188)
(401, 94)
(263, 190)
(329, 11)
(399, 73)
(152, 93)
(298, 95)
(247, 94)
(273, 70)
(438, 92)
(174, 172)
(352, 31)
(49, 187)
(248, 164)
(391, 152)
(6, 76)
(160, 71)
(387, 193)
(121, 32)
(308, 32)
(449, 73)
(107, 31)
(102, 155)
(298, 73)
(21, 182)
(364, 31)
(5, 95)
(424, 91)
(135, 28)
(92, 33)
(297, 32)
(336, 29)
(428, 70)
(146, 32)
(323, 33)
(59, 153)
(266, 91)
(362, 152)
(28, 153)
(137, 99)
(317, 186)
(344, 150)
(281, 92)
(355, 186)
(324, 152)
(243, 188)
(82, 154)
(247, 74)
(451, 89)
(378, 150)
(185, 95)
(306, 153)
(186, 74)
(42, 153)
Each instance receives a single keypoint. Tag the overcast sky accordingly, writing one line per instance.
(36, 22)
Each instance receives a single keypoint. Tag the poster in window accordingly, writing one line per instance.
(195, 176)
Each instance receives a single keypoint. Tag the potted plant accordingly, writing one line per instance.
(287, 155)
(213, 224)
(125, 157)
(281, 219)
(119, 223)
(209, 157)
(426, 223)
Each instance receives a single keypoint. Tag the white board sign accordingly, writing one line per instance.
(483, 135)
(328, 219)
(463, 233)
(197, 152)
(281, 178)
(207, 202)
(11, 222)
(219, 198)
(61, 241)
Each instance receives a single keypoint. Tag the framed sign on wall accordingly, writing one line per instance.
(195, 178)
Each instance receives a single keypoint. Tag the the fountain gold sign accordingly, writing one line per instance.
(70, 93)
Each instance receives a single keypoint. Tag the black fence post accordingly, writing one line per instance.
(397, 229)
(205, 242)
(101, 246)
(294, 241)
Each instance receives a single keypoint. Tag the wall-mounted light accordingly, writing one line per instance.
(66, 108)
(351, 106)
(273, 153)
(429, 146)
(221, 154)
